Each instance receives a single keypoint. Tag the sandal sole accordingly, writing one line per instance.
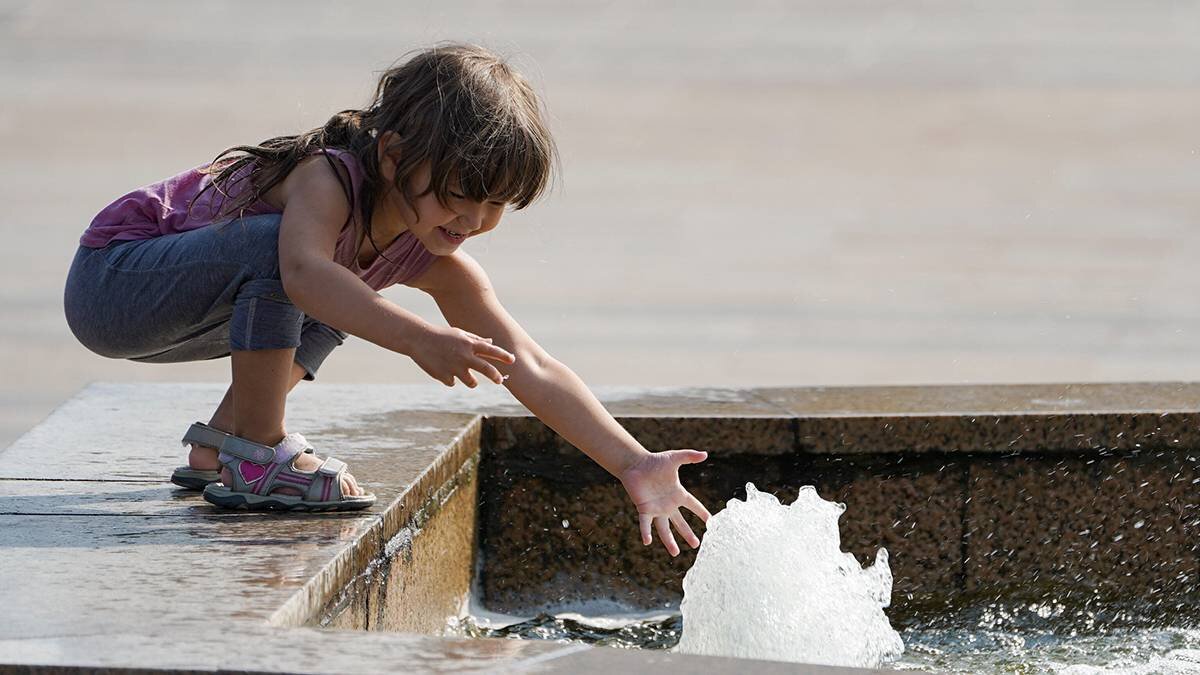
(228, 499)
(194, 479)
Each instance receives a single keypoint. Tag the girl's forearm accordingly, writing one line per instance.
(333, 295)
(560, 399)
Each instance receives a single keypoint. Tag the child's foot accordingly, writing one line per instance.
(202, 458)
(205, 459)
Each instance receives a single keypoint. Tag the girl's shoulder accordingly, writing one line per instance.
(348, 168)
(347, 165)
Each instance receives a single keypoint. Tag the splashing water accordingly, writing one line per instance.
(771, 582)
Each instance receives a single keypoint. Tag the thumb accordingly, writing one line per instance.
(690, 456)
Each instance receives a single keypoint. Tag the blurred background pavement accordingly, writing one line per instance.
(754, 193)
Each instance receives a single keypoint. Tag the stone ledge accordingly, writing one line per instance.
(107, 567)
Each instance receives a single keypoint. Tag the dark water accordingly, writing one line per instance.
(984, 638)
(662, 634)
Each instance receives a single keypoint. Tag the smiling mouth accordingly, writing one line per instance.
(453, 236)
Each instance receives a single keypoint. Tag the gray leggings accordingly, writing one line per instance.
(192, 296)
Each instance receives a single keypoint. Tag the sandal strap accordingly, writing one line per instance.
(212, 437)
(240, 448)
(202, 434)
(259, 469)
(332, 466)
(327, 481)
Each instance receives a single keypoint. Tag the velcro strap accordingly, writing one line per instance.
(202, 434)
(247, 450)
(332, 466)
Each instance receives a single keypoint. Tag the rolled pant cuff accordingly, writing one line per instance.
(317, 341)
(264, 318)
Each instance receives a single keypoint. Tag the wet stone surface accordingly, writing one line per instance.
(96, 541)
(106, 565)
(984, 400)
(258, 648)
(1091, 491)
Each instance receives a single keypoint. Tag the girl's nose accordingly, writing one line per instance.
(472, 218)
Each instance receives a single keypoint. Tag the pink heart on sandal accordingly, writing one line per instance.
(251, 471)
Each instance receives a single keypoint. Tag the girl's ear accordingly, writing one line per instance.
(386, 155)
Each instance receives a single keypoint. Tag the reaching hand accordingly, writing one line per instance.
(653, 485)
(446, 353)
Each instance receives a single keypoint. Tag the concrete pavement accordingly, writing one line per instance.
(800, 193)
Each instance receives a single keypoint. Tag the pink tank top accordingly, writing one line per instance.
(162, 208)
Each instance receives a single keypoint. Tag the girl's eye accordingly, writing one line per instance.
(457, 196)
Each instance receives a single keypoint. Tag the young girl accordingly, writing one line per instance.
(272, 253)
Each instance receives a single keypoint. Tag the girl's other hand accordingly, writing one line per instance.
(446, 353)
(653, 485)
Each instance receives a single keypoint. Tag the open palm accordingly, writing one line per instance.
(653, 485)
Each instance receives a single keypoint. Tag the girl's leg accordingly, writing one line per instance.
(176, 297)
(260, 387)
(317, 340)
(205, 458)
(204, 294)
(261, 381)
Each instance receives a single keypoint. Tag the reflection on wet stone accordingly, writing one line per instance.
(1066, 491)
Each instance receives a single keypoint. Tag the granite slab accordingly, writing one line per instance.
(992, 418)
(94, 541)
(989, 399)
(107, 567)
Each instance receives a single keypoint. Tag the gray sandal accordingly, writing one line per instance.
(198, 479)
(259, 470)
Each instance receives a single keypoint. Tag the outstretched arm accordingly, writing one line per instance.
(560, 399)
(313, 214)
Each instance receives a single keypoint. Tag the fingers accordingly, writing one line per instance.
(684, 529)
(692, 504)
(644, 521)
(469, 354)
(488, 370)
(468, 379)
(491, 351)
(663, 527)
(690, 456)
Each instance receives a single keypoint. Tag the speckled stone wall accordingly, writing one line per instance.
(1010, 492)
(416, 570)
(560, 531)
(1106, 525)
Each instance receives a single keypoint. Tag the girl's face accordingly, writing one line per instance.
(442, 229)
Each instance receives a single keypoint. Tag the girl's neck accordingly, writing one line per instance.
(387, 219)
(386, 227)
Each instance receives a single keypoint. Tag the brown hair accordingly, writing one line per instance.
(457, 106)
